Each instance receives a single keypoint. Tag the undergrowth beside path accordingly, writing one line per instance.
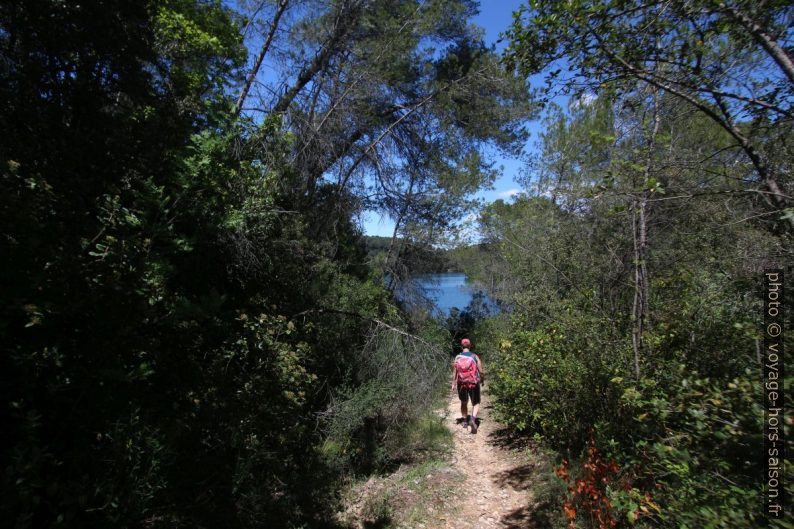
(476, 481)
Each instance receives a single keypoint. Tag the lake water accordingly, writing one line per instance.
(447, 290)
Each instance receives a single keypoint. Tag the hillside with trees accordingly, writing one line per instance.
(407, 257)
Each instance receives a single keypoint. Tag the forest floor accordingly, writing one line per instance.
(488, 480)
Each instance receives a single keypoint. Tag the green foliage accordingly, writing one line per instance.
(381, 419)
(177, 327)
(692, 437)
(552, 385)
(684, 441)
(697, 52)
(418, 259)
(683, 423)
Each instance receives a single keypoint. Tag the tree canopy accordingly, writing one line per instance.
(198, 334)
(194, 336)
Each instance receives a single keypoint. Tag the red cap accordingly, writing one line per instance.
(465, 342)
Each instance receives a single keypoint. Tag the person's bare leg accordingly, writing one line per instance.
(464, 409)
(473, 422)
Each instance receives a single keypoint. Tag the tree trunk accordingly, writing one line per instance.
(638, 309)
(249, 81)
(764, 39)
(639, 219)
(397, 222)
(344, 21)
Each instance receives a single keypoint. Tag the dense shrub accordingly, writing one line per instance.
(175, 322)
(554, 384)
(687, 445)
(395, 382)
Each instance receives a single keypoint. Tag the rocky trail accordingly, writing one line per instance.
(486, 482)
(495, 489)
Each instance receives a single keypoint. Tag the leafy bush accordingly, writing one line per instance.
(382, 416)
(686, 447)
(165, 300)
(552, 385)
(691, 440)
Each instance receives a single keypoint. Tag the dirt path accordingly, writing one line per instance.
(495, 493)
(485, 483)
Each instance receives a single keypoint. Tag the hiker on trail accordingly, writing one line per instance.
(468, 377)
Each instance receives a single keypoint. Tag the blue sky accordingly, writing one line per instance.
(495, 16)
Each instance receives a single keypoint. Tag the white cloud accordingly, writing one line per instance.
(585, 100)
(471, 217)
(509, 193)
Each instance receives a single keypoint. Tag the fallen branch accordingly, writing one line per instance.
(379, 323)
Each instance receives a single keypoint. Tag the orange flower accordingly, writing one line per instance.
(562, 472)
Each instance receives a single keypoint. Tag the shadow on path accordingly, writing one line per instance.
(519, 478)
(508, 439)
(520, 518)
(526, 518)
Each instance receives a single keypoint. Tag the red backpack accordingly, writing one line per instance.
(466, 371)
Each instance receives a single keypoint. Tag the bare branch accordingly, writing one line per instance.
(764, 39)
(343, 23)
(282, 5)
(376, 321)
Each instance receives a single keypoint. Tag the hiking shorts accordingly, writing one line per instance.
(473, 393)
